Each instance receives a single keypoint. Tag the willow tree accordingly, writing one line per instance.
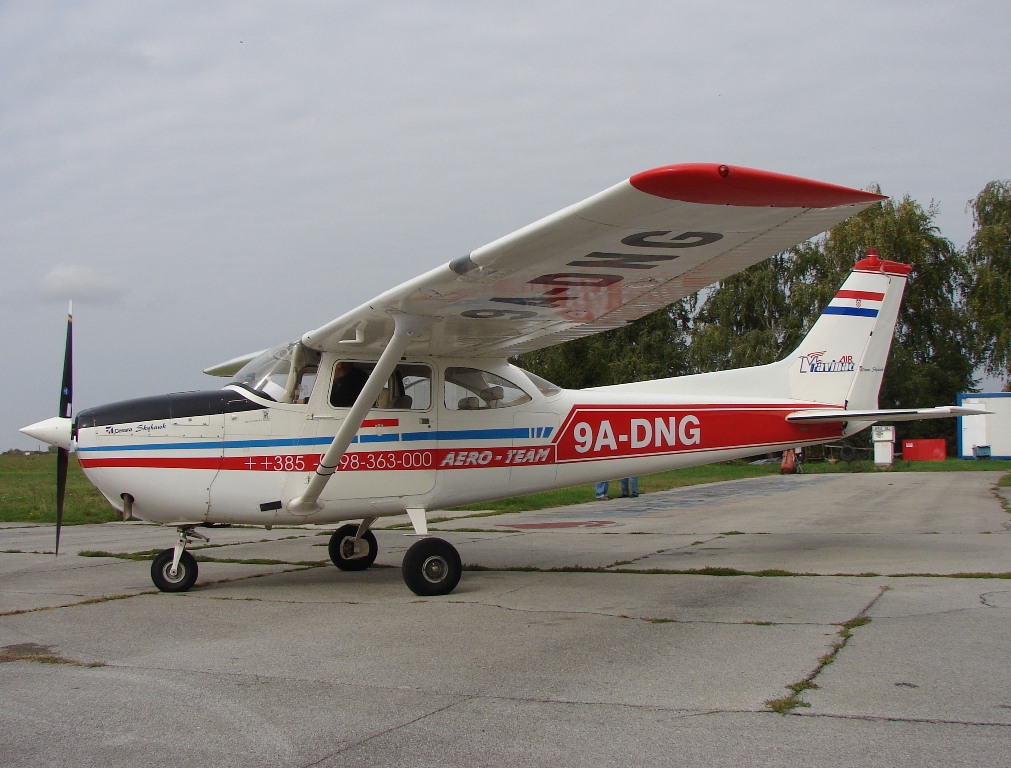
(989, 258)
(652, 347)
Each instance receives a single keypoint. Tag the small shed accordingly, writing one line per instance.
(992, 430)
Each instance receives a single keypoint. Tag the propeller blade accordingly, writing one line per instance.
(67, 390)
(62, 460)
(66, 411)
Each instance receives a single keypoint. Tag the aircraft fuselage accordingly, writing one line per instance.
(236, 456)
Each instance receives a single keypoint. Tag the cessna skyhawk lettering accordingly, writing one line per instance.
(409, 404)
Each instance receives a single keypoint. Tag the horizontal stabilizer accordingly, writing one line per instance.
(826, 415)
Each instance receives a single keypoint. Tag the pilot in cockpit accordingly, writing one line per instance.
(348, 382)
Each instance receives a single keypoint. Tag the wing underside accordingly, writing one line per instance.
(611, 259)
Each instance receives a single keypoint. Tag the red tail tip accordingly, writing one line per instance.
(873, 264)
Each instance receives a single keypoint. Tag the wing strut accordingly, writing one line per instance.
(407, 328)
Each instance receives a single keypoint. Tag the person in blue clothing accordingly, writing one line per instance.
(630, 484)
(627, 484)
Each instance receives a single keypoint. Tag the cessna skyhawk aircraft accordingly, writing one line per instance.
(408, 403)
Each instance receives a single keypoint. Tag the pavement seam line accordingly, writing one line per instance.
(1002, 500)
(728, 571)
(649, 619)
(786, 704)
(891, 719)
(88, 601)
(109, 598)
(386, 731)
(148, 554)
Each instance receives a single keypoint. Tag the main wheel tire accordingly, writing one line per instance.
(185, 576)
(432, 567)
(847, 453)
(342, 549)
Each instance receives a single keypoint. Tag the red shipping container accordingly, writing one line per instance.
(924, 450)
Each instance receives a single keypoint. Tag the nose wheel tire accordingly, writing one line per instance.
(432, 567)
(342, 549)
(180, 581)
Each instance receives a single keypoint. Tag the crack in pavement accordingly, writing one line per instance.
(386, 731)
(786, 704)
(897, 719)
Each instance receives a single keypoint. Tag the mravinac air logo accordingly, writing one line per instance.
(812, 363)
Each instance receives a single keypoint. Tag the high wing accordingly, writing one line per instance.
(642, 244)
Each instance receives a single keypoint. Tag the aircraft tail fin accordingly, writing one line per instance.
(842, 359)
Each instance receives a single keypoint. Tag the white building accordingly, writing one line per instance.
(993, 430)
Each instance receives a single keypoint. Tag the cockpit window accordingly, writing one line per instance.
(468, 389)
(285, 373)
(546, 387)
(408, 388)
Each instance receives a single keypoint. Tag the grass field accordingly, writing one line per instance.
(28, 486)
(28, 492)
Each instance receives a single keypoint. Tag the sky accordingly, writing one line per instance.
(208, 179)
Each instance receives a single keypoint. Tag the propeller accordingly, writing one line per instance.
(66, 410)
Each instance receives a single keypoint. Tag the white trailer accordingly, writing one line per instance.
(989, 433)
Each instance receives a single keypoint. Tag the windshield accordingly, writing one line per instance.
(285, 373)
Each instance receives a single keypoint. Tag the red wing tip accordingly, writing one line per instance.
(714, 184)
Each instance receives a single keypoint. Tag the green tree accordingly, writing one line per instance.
(741, 322)
(989, 258)
(652, 347)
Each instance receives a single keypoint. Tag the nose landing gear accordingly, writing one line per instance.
(175, 570)
(354, 547)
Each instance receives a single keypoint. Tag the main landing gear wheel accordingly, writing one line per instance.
(432, 567)
(184, 577)
(342, 549)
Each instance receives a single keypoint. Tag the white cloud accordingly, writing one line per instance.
(84, 284)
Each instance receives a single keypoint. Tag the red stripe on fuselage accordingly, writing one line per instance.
(353, 461)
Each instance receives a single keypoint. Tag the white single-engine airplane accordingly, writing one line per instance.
(409, 404)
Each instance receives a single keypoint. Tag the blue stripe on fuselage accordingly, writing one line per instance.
(308, 442)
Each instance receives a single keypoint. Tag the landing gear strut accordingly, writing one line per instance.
(175, 570)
